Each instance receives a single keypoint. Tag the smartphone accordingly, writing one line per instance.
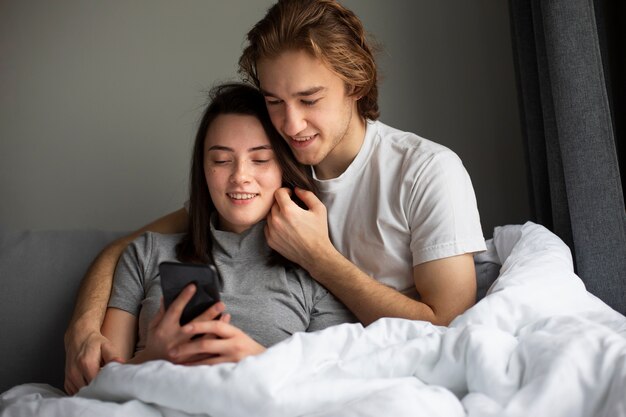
(176, 276)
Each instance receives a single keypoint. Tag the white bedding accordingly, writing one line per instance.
(537, 345)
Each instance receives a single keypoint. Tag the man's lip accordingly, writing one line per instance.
(302, 143)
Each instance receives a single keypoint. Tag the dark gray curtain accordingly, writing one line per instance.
(569, 57)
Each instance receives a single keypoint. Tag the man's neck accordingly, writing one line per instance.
(340, 158)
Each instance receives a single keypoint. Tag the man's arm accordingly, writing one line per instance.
(447, 286)
(85, 347)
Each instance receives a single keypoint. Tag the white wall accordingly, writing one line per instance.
(99, 100)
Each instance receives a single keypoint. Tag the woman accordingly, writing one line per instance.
(239, 161)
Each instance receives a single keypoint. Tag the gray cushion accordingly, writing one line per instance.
(39, 274)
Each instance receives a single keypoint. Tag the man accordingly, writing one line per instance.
(397, 224)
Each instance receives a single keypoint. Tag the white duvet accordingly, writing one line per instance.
(537, 345)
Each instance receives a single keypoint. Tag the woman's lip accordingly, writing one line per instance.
(250, 197)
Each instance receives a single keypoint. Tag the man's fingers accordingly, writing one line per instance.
(70, 387)
(309, 199)
(89, 362)
(110, 355)
(283, 198)
(78, 377)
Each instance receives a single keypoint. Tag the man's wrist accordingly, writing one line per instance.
(324, 263)
(81, 328)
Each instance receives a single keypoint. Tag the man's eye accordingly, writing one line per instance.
(309, 102)
(220, 162)
(260, 161)
(273, 102)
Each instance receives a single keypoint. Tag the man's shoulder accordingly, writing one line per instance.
(156, 242)
(408, 144)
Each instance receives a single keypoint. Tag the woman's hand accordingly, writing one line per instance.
(222, 342)
(165, 333)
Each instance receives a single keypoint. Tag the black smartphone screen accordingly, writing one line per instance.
(176, 276)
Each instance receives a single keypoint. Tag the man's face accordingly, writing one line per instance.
(308, 105)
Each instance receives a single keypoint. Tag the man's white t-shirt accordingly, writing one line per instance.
(403, 201)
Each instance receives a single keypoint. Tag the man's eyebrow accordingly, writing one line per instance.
(310, 91)
(305, 93)
(227, 149)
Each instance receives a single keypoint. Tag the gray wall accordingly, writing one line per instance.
(99, 100)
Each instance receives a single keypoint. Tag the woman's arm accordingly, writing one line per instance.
(85, 346)
(120, 328)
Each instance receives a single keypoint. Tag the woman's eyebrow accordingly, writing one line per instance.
(227, 149)
(220, 148)
(261, 148)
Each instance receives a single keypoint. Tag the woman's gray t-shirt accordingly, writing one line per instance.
(269, 303)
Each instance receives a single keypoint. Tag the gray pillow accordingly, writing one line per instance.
(40, 272)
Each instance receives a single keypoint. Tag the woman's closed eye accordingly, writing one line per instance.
(261, 156)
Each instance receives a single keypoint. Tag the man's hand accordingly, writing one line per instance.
(84, 357)
(299, 235)
(86, 349)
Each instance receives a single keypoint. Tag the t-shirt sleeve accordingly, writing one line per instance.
(443, 213)
(129, 279)
(327, 310)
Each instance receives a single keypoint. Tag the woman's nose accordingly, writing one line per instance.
(241, 173)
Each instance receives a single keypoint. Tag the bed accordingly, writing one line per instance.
(536, 344)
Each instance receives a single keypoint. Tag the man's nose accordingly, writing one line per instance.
(294, 122)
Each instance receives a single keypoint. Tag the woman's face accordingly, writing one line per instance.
(241, 171)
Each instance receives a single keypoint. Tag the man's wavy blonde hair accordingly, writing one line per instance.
(326, 30)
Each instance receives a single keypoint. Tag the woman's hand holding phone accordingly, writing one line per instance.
(221, 343)
(208, 339)
(165, 334)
